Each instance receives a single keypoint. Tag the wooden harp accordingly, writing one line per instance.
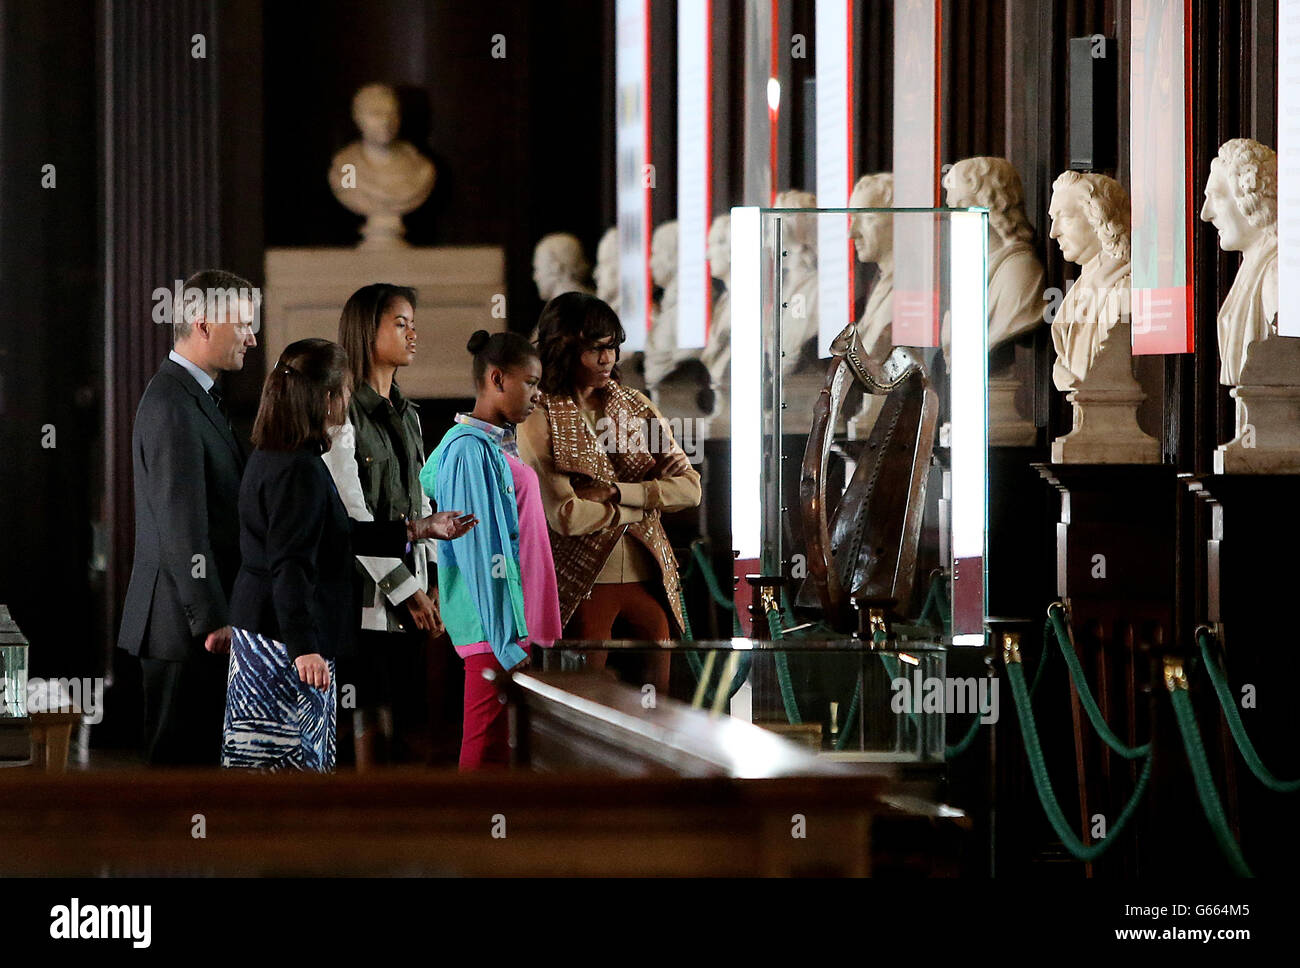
(867, 549)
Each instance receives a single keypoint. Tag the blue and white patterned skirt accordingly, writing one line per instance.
(274, 720)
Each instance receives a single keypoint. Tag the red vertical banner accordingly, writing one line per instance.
(1160, 166)
(917, 58)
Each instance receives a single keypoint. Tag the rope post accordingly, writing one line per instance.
(1004, 637)
(762, 594)
(1176, 686)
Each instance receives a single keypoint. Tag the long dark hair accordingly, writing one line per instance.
(505, 350)
(298, 397)
(569, 324)
(359, 322)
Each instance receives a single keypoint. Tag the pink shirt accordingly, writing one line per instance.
(536, 566)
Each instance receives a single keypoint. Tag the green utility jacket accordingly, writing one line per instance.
(375, 460)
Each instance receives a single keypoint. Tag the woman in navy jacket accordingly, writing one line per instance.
(294, 606)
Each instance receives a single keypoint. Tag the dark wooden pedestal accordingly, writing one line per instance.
(1247, 585)
(1116, 568)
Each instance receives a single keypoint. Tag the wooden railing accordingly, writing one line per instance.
(711, 796)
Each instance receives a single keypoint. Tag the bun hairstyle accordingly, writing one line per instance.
(504, 350)
(300, 396)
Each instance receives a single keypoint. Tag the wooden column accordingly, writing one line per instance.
(162, 217)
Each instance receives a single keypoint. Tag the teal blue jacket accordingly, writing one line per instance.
(480, 592)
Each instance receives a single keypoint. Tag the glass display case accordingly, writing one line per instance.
(858, 487)
(15, 727)
(13, 669)
(859, 379)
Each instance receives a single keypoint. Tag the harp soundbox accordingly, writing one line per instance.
(866, 550)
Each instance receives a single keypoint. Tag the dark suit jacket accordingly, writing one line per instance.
(295, 583)
(187, 469)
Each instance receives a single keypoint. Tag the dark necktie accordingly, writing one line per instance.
(220, 401)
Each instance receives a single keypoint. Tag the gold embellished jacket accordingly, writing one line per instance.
(564, 451)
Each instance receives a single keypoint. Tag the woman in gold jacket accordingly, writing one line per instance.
(608, 467)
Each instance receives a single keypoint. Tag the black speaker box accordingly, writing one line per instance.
(1094, 70)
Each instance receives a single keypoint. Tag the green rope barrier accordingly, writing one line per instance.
(788, 698)
(715, 588)
(963, 744)
(935, 602)
(698, 668)
(850, 718)
(1238, 729)
(1055, 614)
(1176, 683)
(1043, 783)
(687, 634)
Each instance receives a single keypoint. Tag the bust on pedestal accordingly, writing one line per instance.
(661, 338)
(1015, 281)
(560, 265)
(1091, 331)
(799, 320)
(717, 353)
(873, 241)
(1262, 367)
(460, 286)
(605, 275)
(669, 380)
(802, 373)
(380, 176)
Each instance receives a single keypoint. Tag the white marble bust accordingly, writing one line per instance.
(1015, 287)
(605, 275)
(799, 287)
(1241, 202)
(560, 265)
(873, 241)
(380, 176)
(717, 353)
(661, 339)
(1090, 221)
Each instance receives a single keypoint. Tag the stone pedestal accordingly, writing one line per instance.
(1268, 412)
(717, 425)
(1105, 405)
(461, 289)
(1245, 575)
(1007, 428)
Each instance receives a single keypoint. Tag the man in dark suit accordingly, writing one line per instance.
(188, 464)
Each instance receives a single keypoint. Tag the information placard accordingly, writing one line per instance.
(1160, 124)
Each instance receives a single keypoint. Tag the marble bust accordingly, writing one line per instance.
(1241, 203)
(799, 288)
(661, 339)
(873, 241)
(605, 275)
(560, 265)
(717, 352)
(1090, 222)
(380, 176)
(1015, 276)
